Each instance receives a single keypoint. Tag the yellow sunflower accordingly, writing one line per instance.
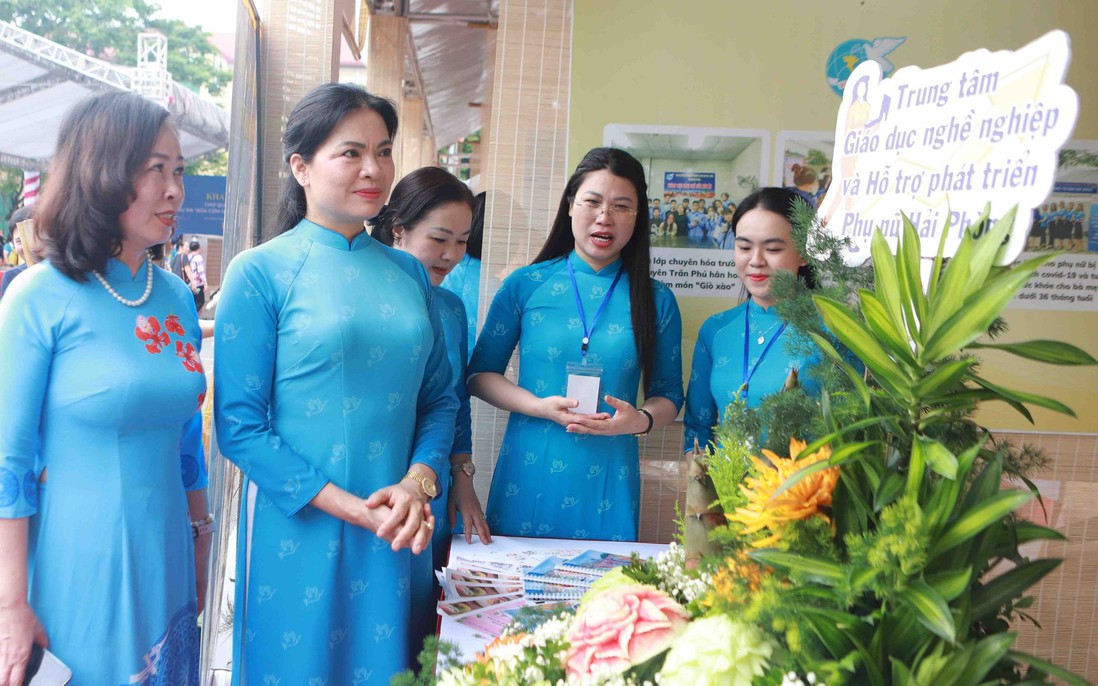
(765, 510)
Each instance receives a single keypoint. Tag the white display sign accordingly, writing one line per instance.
(944, 142)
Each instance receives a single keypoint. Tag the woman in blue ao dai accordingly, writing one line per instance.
(335, 400)
(429, 216)
(464, 279)
(585, 315)
(100, 440)
(744, 352)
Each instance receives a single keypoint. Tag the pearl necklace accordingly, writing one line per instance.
(131, 303)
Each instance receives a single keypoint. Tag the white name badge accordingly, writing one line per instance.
(583, 386)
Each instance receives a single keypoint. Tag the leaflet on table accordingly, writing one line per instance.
(595, 563)
(550, 570)
(492, 621)
(461, 607)
(536, 591)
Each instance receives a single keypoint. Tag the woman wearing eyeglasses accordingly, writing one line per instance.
(590, 325)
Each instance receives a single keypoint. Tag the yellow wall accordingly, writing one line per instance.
(745, 64)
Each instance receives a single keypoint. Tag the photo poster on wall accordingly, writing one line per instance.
(696, 177)
(802, 160)
(1066, 221)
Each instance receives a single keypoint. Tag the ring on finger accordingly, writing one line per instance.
(429, 525)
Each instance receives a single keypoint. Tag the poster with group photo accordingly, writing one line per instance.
(1067, 222)
(696, 178)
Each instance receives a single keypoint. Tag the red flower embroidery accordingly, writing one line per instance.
(171, 323)
(189, 355)
(201, 399)
(148, 330)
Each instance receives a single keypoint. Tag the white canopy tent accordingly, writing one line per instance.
(40, 80)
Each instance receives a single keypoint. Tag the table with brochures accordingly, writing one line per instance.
(485, 585)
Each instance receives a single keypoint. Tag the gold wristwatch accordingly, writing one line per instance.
(467, 467)
(430, 489)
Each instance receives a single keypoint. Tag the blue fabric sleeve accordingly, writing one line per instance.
(463, 429)
(437, 406)
(29, 322)
(246, 329)
(701, 408)
(502, 328)
(192, 455)
(666, 381)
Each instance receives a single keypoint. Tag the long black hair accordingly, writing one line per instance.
(476, 235)
(418, 193)
(309, 125)
(780, 201)
(634, 256)
(103, 143)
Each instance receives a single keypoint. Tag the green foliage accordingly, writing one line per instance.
(107, 29)
(902, 594)
(435, 653)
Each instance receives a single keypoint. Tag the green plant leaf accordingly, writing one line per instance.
(841, 455)
(942, 379)
(901, 675)
(1048, 668)
(978, 312)
(988, 599)
(886, 280)
(973, 663)
(878, 321)
(854, 335)
(987, 247)
(860, 386)
(1022, 397)
(936, 456)
(936, 270)
(1052, 352)
(823, 571)
(1028, 531)
(980, 516)
(831, 628)
(931, 611)
(836, 435)
(908, 260)
(943, 501)
(890, 489)
(950, 584)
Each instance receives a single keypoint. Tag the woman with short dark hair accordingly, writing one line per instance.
(586, 315)
(99, 441)
(333, 396)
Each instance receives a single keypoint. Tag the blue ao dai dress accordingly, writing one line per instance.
(716, 372)
(464, 281)
(425, 587)
(548, 482)
(105, 399)
(328, 370)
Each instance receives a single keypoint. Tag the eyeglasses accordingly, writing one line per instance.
(594, 207)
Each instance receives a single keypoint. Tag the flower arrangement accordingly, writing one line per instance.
(870, 538)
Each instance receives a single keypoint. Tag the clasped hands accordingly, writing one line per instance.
(625, 420)
(400, 514)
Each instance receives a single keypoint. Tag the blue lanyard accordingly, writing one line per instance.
(748, 373)
(579, 304)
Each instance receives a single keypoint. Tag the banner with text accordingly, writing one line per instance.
(944, 142)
